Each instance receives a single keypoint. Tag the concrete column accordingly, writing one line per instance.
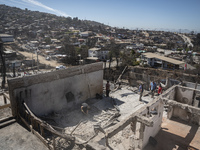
(133, 139)
(148, 82)
(170, 112)
(141, 135)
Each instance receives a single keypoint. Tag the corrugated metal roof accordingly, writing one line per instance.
(167, 59)
(94, 49)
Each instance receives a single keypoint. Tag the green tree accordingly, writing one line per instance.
(71, 55)
(47, 40)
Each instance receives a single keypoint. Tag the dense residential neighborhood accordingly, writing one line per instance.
(71, 41)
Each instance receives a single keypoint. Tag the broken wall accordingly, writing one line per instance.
(185, 105)
(184, 95)
(62, 89)
(170, 93)
(148, 74)
(191, 85)
(184, 112)
(157, 120)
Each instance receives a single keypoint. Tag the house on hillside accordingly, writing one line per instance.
(99, 53)
(155, 60)
(85, 34)
(6, 38)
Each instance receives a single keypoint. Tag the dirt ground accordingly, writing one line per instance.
(41, 59)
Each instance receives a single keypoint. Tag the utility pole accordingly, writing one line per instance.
(3, 66)
(32, 62)
(37, 60)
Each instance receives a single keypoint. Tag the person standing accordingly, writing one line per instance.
(152, 88)
(159, 89)
(141, 91)
(107, 89)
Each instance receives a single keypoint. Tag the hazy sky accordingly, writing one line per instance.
(147, 14)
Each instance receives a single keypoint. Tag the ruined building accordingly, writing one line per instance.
(49, 105)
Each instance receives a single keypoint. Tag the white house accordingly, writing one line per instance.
(98, 52)
(86, 34)
(6, 38)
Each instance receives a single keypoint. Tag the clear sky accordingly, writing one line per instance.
(132, 14)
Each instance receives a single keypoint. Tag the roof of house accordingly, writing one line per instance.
(167, 59)
(92, 58)
(94, 49)
(5, 35)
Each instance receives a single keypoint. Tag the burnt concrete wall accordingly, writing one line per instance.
(49, 92)
(184, 95)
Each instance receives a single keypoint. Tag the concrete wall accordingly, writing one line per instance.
(184, 95)
(159, 74)
(170, 93)
(191, 85)
(185, 105)
(49, 92)
(186, 113)
(157, 120)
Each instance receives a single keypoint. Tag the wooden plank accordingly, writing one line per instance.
(6, 119)
(4, 106)
(5, 100)
(49, 127)
(54, 143)
(6, 96)
(75, 127)
(24, 121)
(37, 134)
(46, 143)
(121, 74)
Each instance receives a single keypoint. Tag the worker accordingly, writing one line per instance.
(159, 89)
(153, 87)
(107, 89)
(84, 108)
(141, 89)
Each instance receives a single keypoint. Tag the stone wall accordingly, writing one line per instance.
(62, 89)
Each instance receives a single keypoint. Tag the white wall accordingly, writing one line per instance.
(157, 120)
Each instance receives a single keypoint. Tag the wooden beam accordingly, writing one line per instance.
(5, 101)
(24, 121)
(4, 106)
(6, 96)
(36, 133)
(121, 74)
